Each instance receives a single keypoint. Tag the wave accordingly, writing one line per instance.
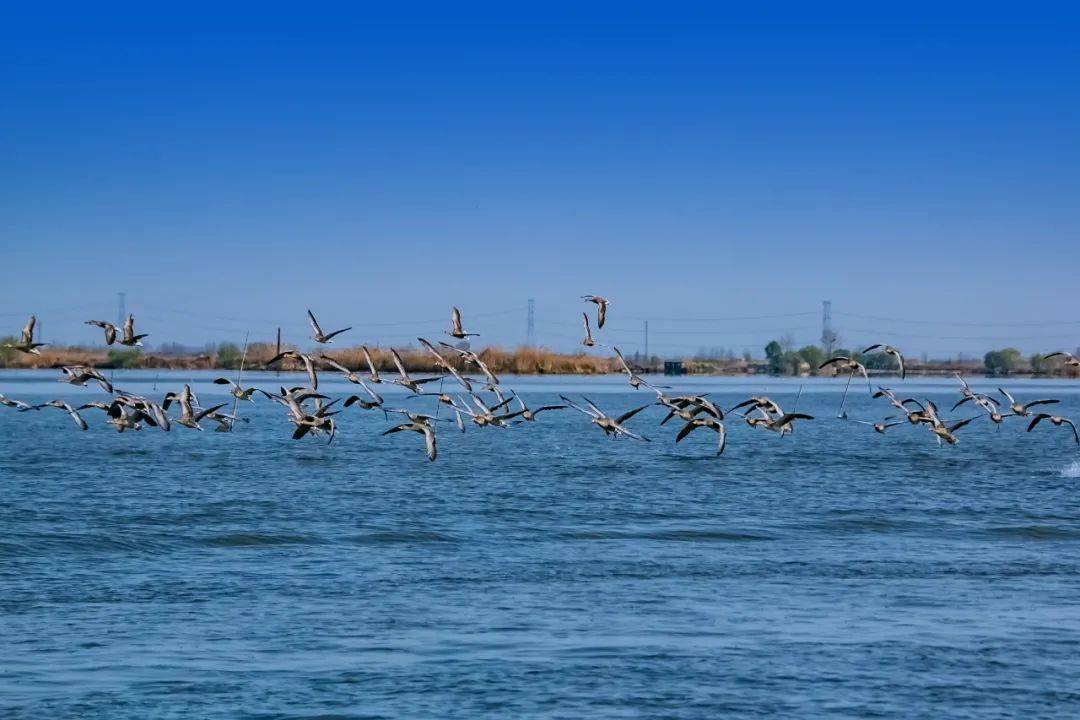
(1071, 470)
(684, 535)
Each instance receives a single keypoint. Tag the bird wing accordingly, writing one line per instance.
(953, 427)
(686, 430)
(1007, 396)
(871, 348)
(334, 334)
(570, 403)
(370, 363)
(830, 361)
(1036, 420)
(429, 441)
(455, 320)
(1075, 435)
(400, 366)
(334, 364)
(314, 324)
(622, 360)
(28, 331)
(310, 367)
(208, 411)
(1040, 402)
(601, 313)
(627, 415)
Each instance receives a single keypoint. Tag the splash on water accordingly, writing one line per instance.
(1071, 470)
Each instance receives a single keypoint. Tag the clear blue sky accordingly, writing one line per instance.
(228, 168)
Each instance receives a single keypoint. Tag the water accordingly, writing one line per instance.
(542, 571)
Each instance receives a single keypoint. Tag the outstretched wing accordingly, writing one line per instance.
(314, 324)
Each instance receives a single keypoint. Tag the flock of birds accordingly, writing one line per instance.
(484, 402)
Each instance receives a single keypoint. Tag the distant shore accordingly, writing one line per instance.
(519, 361)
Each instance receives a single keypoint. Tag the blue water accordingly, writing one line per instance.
(540, 572)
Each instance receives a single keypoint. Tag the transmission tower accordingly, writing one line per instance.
(828, 335)
(121, 308)
(530, 328)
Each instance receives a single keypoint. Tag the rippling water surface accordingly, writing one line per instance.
(542, 571)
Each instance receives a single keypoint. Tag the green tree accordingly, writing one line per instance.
(228, 356)
(1002, 362)
(8, 355)
(813, 356)
(123, 358)
(774, 355)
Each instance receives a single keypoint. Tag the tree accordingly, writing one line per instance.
(813, 356)
(8, 355)
(1002, 362)
(774, 355)
(228, 356)
(123, 358)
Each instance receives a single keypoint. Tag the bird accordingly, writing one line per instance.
(125, 418)
(913, 416)
(1022, 410)
(941, 429)
(373, 372)
(350, 376)
(783, 424)
(238, 392)
(309, 364)
(129, 338)
(687, 407)
(318, 335)
(189, 416)
(636, 381)
(375, 400)
(110, 330)
(588, 341)
(472, 358)
(442, 362)
(766, 403)
(601, 308)
(889, 350)
(529, 415)
(424, 429)
(612, 427)
(851, 366)
(60, 404)
(404, 380)
(26, 342)
(879, 427)
(80, 374)
(1056, 420)
(485, 416)
(17, 404)
(707, 422)
(455, 326)
(1070, 359)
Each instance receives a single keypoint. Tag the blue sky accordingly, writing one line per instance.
(229, 168)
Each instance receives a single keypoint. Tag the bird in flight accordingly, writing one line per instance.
(318, 335)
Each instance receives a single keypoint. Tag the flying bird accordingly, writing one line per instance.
(110, 330)
(66, 408)
(1070, 359)
(1057, 421)
(455, 326)
(318, 335)
(601, 308)
(889, 350)
(26, 342)
(1022, 410)
(129, 337)
(588, 341)
(612, 427)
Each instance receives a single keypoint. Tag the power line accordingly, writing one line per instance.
(957, 324)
